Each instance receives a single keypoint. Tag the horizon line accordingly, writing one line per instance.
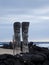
(28, 40)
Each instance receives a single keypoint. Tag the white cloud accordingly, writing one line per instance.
(24, 14)
(32, 15)
(21, 18)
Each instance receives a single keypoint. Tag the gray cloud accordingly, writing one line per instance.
(34, 11)
(39, 31)
(23, 3)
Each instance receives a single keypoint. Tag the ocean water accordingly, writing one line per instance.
(40, 44)
(2, 43)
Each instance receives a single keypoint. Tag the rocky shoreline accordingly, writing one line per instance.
(35, 56)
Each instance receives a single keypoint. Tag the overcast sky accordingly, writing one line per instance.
(34, 11)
